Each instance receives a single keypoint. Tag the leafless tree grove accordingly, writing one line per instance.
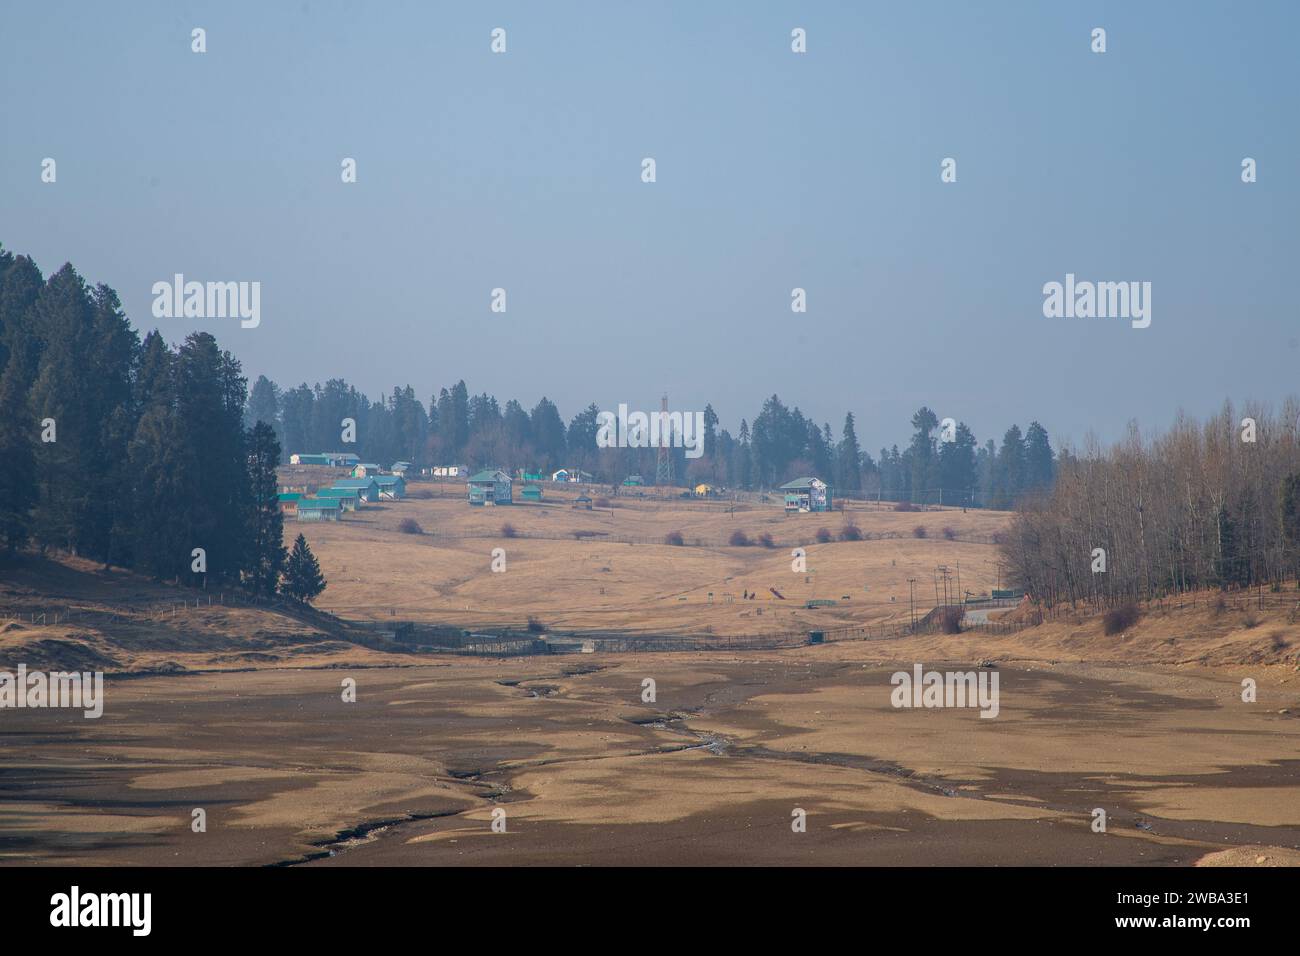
(1201, 506)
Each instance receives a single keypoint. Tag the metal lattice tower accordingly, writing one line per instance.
(664, 459)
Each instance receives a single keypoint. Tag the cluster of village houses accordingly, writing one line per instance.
(371, 483)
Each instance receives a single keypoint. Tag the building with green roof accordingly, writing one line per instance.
(491, 486)
(369, 487)
(806, 494)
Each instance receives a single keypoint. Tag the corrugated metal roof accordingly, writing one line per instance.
(319, 504)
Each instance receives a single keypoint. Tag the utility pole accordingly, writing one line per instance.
(944, 571)
(911, 593)
(663, 457)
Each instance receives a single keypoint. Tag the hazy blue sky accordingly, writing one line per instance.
(775, 170)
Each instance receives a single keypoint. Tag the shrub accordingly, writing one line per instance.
(508, 530)
(766, 541)
(409, 526)
(602, 503)
(919, 531)
(951, 621)
(850, 532)
(739, 539)
(1120, 619)
(1219, 605)
(535, 626)
(674, 538)
(950, 532)
(905, 506)
(1250, 620)
(824, 535)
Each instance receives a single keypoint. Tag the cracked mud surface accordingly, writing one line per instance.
(709, 773)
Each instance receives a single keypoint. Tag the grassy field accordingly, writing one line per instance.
(581, 577)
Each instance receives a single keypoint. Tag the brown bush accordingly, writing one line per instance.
(950, 532)
(850, 532)
(535, 626)
(1120, 619)
(409, 526)
(603, 503)
(824, 535)
(906, 506)
(674, 538)
(508, 530)
(951, 620)
(766, 541)
(739, 539)
(1250, 620)
(919, 531)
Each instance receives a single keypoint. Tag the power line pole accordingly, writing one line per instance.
(664, 459)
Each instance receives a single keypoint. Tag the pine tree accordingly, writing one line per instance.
(111, 367)
(296, 412)
(1228, 566)
(1039, 464)
(548, 434)
(266, 531)
(711, 437)
(18, 475)
(744, 457)
(848, 458)
(957, 473)
(925, 467)
(67, 467)
(264, 405)
(1009, 469)
(302, 578)
(163, 469)
(210, 402)
(20, 286)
